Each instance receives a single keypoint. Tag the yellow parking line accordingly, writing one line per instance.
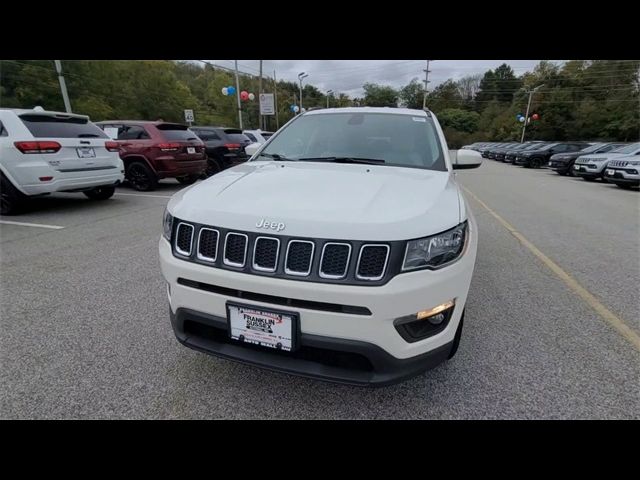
(610, 317)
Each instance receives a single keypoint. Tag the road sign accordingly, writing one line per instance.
(188, 116)
(267, 105)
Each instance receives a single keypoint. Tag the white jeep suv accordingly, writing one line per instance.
(43, 152)
(342, 250)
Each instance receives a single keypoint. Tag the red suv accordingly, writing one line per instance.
(154, 150)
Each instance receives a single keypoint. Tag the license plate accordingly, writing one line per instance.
(191, 150)
(86, 152)
(264, 327)
(611, 172)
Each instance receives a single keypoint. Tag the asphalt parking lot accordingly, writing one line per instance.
(86, 334)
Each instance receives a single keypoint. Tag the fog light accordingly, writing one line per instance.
(425, 323)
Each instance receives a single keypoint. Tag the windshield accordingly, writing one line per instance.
(627, 148)
(392, 139)
(592, 148)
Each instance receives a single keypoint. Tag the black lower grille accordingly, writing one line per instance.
(335, 260)
(208, 244)
(184, 239)
(373, 259)
(235, 249)
(299, 256)
(266, 253)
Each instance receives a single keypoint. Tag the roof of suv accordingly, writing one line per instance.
(31, 111)
(139, 122)
(393, 110)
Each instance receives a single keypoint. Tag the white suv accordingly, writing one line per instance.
(591, 167)
(43, 152)
(342, 250)
(624, 171)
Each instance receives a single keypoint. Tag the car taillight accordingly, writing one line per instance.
(111, 146)
(38, 147)
(232, 146)
(169, 147)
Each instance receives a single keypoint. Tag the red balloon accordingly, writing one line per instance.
(244, 95)
(535, 116)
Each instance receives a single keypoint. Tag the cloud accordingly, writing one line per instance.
(348, 76)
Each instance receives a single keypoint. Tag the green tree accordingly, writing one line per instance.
(380, 95)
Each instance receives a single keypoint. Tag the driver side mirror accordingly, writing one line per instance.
(463, 159)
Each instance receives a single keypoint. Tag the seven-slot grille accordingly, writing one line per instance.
(314, 260)
(618, 163)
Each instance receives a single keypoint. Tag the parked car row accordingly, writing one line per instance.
(614, 162)
(43, 152)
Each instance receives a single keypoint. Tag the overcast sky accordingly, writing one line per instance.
(348, 76)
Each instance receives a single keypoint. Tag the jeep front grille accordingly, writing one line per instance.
(354, 262)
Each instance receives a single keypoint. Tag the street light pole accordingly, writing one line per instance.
(526, 116)
(63, 86)
(426, 86)
(329, 92)
(301, 75)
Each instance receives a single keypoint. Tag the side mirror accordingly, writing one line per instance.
(252, 148)
(462, 159)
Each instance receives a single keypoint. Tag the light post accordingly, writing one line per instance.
(329, 92)
(301, 75)
(526, 117)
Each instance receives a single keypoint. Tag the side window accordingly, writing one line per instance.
(3, 131)
(251, 136)
(563, 147)
(134, 132)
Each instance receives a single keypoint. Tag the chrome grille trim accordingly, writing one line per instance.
(255, 246)
(178, 249)
(203, 257)
(293, 272)
(386, 261)
(244, 257)
(346, 267)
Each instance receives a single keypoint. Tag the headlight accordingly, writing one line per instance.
(435, 251)
(167, 225)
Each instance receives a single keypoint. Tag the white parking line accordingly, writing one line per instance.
(37, 225)
(143, 195)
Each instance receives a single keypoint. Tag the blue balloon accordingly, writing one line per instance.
(231, 90)
(518, 116)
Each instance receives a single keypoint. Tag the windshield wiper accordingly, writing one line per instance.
(369, 161)
(276, 156)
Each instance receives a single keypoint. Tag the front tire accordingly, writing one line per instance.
(624, 186)
(11, 199)
(140, 177)
(589, 179)
(100, 193)
(535, 163)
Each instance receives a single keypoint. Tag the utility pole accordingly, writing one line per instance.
(275, 98)
(238, 96)
(526, 116)
(329, 92)
(426, 85)
(259, 93)
(301, 75)
(63, 86)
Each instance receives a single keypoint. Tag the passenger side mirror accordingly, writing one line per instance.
(252, 149)
(463, 159)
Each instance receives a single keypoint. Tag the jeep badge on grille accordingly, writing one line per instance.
(277, 226)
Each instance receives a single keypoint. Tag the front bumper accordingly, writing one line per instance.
(582, 170)
(560, 164)
(404, 294)
(622, 175)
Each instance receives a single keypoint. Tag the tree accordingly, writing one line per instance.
(460, 120)
(468, 87)
(380, 95)
(412, 95)
(444, 96)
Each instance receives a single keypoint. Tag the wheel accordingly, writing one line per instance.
(456, 339)
(188, 179)
(100, 193)
(624, 186)
(11, 199)
(141, 177)
(213, 167)
(562, 172)
(535, 163)
(589, 179)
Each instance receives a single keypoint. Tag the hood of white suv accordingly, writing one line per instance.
(324, 200)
